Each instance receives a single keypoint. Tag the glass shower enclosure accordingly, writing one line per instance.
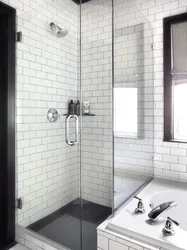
(133, 100)
(74, 170)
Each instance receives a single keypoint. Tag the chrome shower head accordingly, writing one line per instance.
(57, 30)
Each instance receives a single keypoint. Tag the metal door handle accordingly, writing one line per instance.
(68, 141)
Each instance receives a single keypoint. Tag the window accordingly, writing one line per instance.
(125, 112)
(175, 78)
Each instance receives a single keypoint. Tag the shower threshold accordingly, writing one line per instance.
(74, 225)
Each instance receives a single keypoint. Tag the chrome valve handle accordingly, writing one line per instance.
(136, 197)
(168, 229)
(140, 206)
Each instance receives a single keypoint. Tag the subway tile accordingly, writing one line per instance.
(115, 245)
(47, 77)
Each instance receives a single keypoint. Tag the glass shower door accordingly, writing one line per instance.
(96, 135)
(48, 169)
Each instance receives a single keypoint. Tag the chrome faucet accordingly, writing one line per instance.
(157, 211)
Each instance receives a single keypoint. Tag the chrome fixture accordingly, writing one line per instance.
(140, 206)
(52, 115)
(72, 143)
(157, 211)
(168, 229)
(57, 30)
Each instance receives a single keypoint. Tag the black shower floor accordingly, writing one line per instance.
(73, 226)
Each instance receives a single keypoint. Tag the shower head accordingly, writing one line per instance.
(57, 30)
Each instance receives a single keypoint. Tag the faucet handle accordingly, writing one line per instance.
(136, 197)
(174, 221)
(140, 206)
(168, 229)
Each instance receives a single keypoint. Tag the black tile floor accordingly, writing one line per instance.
(72, 226)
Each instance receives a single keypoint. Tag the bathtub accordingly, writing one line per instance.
(156, 192)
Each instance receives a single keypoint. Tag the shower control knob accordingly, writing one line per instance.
(140, 206)
(52, 115)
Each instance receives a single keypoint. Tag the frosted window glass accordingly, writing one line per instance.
(180, 117)
(125, 112)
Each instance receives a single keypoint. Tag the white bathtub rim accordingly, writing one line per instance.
(172, 243)
(142, 238)
(105, 231)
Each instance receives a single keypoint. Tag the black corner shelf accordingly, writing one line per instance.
(88, 114)
(82, 114)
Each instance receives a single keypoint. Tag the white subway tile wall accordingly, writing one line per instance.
(170, 159)
(133, 62)
(47, 168)
(47, 75)
(133, 55)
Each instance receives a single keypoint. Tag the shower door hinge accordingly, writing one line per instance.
(19, 203)
(152, 46)
(19, 36)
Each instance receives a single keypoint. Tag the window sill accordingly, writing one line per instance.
(175, 141)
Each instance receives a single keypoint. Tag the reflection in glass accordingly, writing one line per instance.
(133, 101)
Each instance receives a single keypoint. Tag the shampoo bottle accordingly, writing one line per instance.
(71, 108)
(78, 108)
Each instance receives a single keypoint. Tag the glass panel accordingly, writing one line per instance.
(48, 168)
(67, 191)
(133, 101)
(96, 143)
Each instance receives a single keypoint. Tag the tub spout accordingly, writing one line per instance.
(157, 211)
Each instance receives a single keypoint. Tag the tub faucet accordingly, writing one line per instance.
(157, 211)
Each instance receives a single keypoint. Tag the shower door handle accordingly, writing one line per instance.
(68, 141)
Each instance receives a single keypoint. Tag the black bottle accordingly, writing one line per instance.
(71, 108)
(78, 108)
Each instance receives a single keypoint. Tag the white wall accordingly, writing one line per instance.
(170, 159)
(133, 62)
(47, 168)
